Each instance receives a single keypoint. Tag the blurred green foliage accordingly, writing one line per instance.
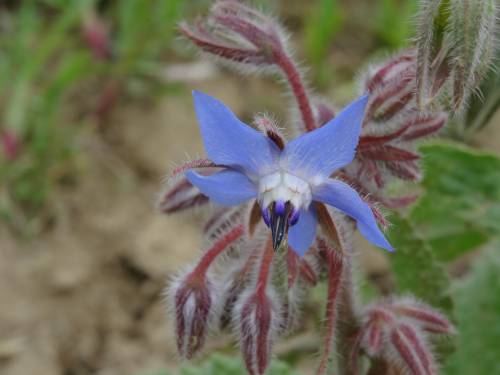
(460, 207)
(44, 62)
(225, 365)
(415, 268)
(321, 25)
(39, 66)
(458, 212)
(477, 309)
(143, 29)
(393, 22)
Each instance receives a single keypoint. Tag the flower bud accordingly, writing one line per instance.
(472, 30)
(392, 96)
(237, 34)
(392, 124)
(193, 299)
(393, 331)
(456, 47)
(409, 351)
(258, 320)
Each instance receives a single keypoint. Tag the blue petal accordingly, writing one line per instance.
(230, 142)
(302, 234)
(341, 196)
(227, 188)
(320, 152)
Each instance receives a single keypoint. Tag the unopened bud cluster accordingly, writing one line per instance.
(456, 47)
(399, 331)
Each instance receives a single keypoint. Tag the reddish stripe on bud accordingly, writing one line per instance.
(411, 349)
(373, 339)
(258, 319)
(389, 153)
(202, 38)
(392, 67)
(390, 98)
(404, 170)
(369, 140)
(428, 319)
(334, 265)
(180, 194)
(248, 30)
(192, 305)
(425, 126)
(193, 298)
(397, 202)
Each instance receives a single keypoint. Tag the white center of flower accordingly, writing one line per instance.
(283, 186)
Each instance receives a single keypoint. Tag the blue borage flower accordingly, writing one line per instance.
(286, 181)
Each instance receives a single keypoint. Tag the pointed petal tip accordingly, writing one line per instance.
(389, 248)
(197, 95)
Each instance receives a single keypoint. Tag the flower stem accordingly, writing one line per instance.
(292, 74)
(334, 264)
(349, 324)
(265, 268)
(212, 253)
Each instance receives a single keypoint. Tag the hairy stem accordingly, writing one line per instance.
(265, 267)
(348, 323)
(334, 263)
(212, 253)
(289, 68)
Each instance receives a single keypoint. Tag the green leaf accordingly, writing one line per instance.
(477, 309)
(415, 268)
(460, 208)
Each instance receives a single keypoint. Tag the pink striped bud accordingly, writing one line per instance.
(257, 316)
(194, 297)
(425, 125)
(258, 321)
(394, 67)
(238, 34)
(193, 300)
(389, 153)
(391, 98)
